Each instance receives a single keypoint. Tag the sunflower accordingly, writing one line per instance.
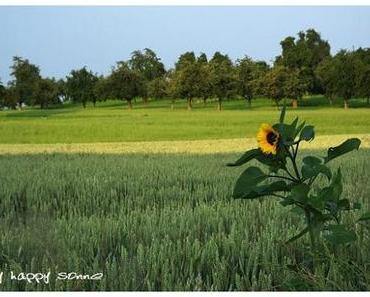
(267, 138)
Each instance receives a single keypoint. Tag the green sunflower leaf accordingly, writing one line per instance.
(307, 133)
(346, 147)
(338, 234)
(248, 181)
(246, 157)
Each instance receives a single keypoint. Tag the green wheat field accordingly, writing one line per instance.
(165, 220)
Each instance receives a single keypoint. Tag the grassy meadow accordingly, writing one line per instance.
(157, 214)
(111, 121)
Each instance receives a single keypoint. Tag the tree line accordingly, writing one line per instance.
(305, 66)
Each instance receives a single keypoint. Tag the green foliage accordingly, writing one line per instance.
(303, 55)
(223, 80)
(47, 93)
(344, 76)
(80, 86)
(25, 83)
(158, 88)
(126, 84)
(274, 83)
(346, 147)
(249, 76)
(321, 206)
(191, 78)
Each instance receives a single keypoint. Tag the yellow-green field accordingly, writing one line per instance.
(144, 197)
(169, 147)
(111, 121)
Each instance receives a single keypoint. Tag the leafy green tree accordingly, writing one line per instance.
(149, 66)
(126, 83)
(305, 54)
(172, 86)
(249, 75)
(25, 82)
(103, 88)
(184, 60)
(364, 83)
(325, 73)
(61, 84)
(340, 75)
(2, 94)
(223, 80)
(158, 88)
(47, 92)
(363, 74)
(80, 86)
(185, 81)
(10, 98)
(190, 78)
(204, 84)
(295, 86)
(274, 83)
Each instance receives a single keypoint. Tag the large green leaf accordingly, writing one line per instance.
(334, 190)
(266, 190)
(246, 157)
(309, 171)
(346, 147)
(338, 234)
(286, 132)
(307, 133)
(299, 192)
(316, 202)
(275, 162)
(248, 181)
(312, 160)
(247, 186)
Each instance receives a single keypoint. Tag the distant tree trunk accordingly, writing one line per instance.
(129, 103)
(190, 101)
(219, 104)
(330, 100)
(249, 102)
(295, 103)
(94, 102)
(173, 104)
(145, 99)
(84, 104)
(368, 101)
(205, 101)
(345, 103)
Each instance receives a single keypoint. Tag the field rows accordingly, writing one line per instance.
(155, 147)
(163, 222)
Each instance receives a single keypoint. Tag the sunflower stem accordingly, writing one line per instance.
(283, 177)
(292, 159)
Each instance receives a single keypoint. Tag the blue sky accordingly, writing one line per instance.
(59, 39)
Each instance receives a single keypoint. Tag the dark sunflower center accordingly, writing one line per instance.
(271, 138)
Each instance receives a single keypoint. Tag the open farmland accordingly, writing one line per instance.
(144, 197)
(163, 222)
(111, 121)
